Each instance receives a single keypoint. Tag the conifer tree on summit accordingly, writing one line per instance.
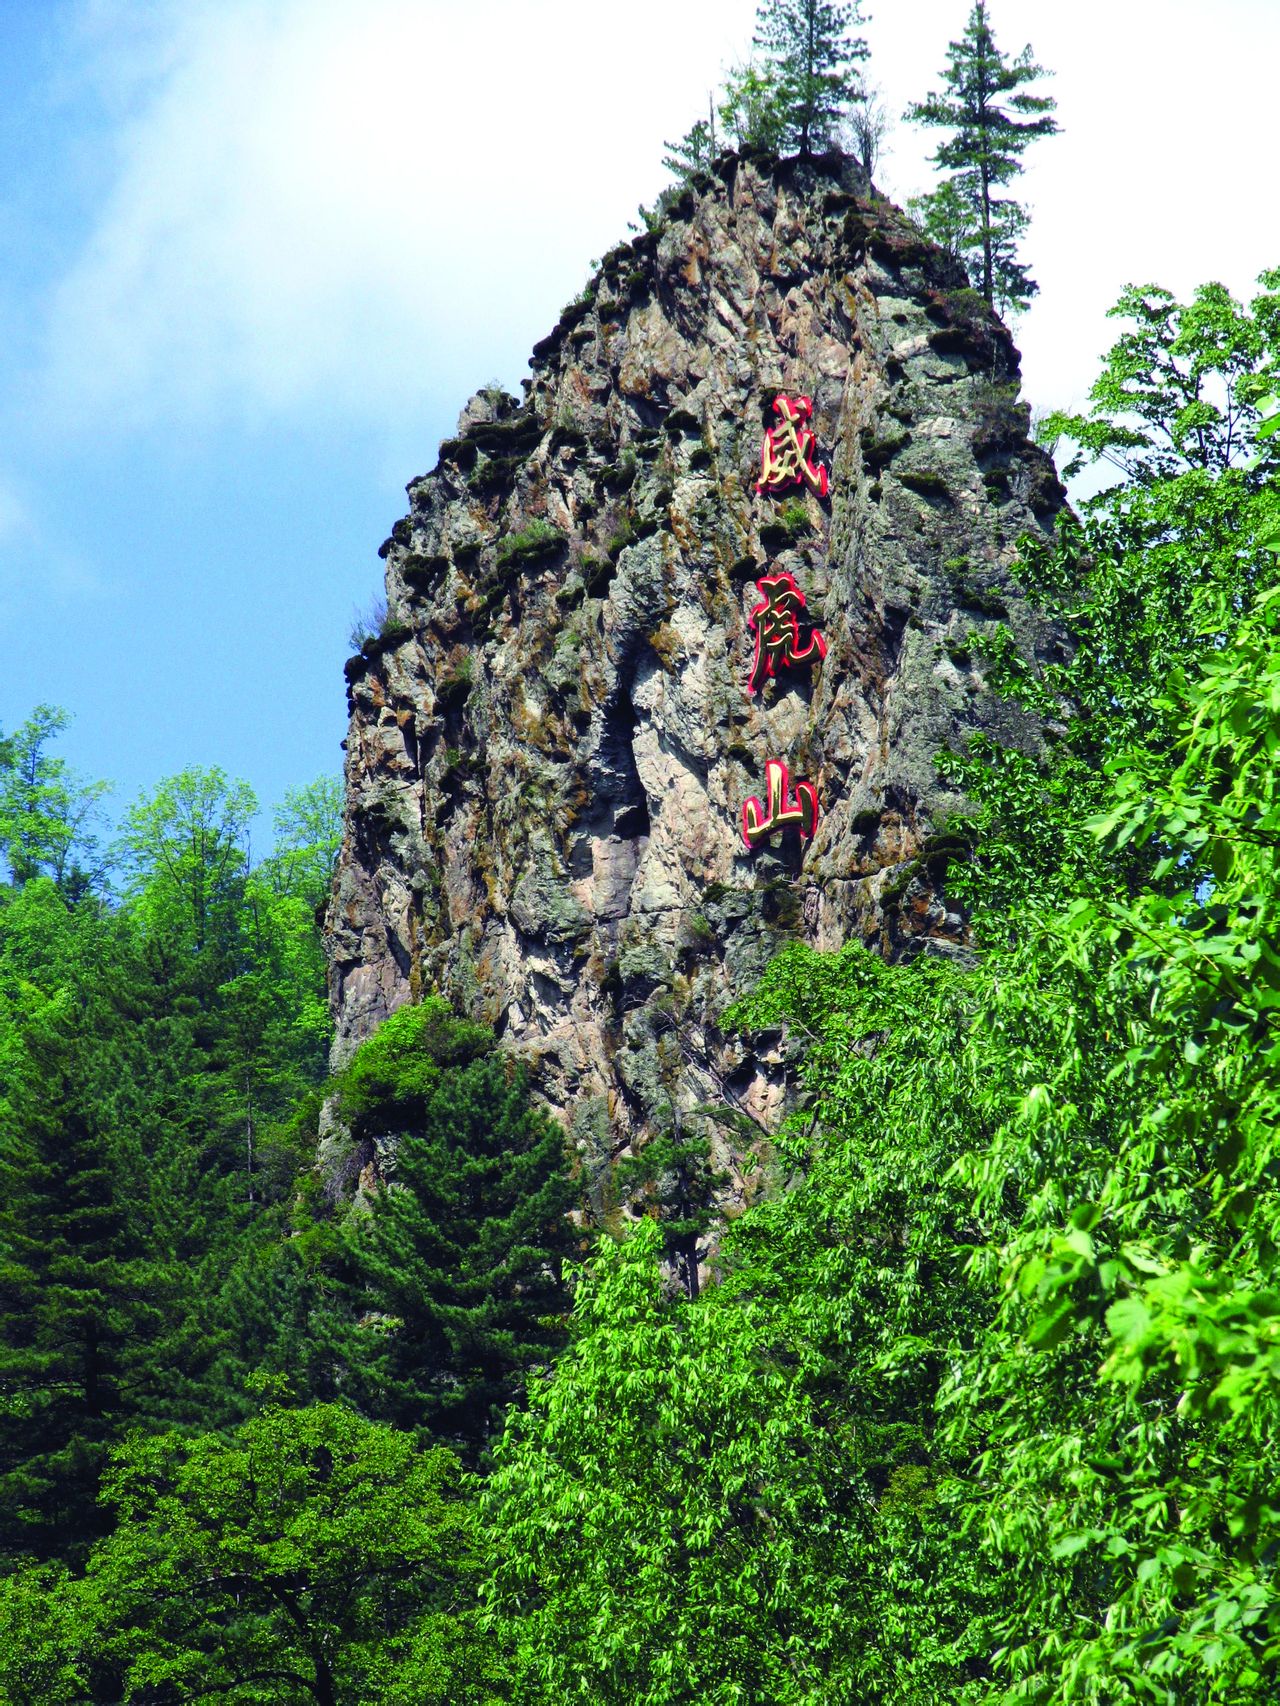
(993, 120)
(814, 58)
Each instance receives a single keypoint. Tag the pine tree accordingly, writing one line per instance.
(815, 61)
(695, 150)
(82, 1301)
(993, 121)
(454, 1287)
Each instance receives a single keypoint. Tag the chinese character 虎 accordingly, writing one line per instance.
(776, 620)
(789, 451)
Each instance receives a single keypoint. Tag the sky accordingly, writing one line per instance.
(255, 255)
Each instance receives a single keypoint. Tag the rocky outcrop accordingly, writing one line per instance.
(551, 740)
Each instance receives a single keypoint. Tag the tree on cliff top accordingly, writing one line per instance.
(993, 121)
(800, 94)
(814, 58)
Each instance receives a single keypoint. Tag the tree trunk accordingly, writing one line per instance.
(324, 1689)
(687, 1262)
(808, 85)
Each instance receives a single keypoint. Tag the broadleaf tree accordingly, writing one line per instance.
(309, 1556)
(995, 1375)
(48, 815)
(187, 849)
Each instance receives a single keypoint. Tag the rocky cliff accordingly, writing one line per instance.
(554, 736)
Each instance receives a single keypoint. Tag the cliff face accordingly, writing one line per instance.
(552, 741)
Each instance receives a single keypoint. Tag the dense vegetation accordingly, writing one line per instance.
(313, 1387)
(803, 90)
(984, 1404)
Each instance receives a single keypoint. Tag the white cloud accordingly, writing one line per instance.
(33, 567)
(338, 204)
(342, 210)
(13, 514)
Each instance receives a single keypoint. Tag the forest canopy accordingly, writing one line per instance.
(324, 1378)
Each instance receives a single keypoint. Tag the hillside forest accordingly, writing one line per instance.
(324, 1386)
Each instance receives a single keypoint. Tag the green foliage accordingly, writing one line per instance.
(738, 1499)
(453, 1287)
(47, 814)
(993, 120)
(985, 1403)
(636, 1543)
(539, 539)
(802, 92)
(92, 1329)
(674, 1171)
(185, 848)
(1180, 394)
(943, 215)
(750, 108)
(696, 149)
(397, 1069)
(308, 829)
(813, 59)
(795, 518)
(310, 1556)
(1019, 1298)
(367, 623)
(146, 1095)
(42, 1633)
(1184, 530)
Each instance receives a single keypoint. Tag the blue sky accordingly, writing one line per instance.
(255, 255)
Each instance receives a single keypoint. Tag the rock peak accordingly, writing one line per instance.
(553, 740)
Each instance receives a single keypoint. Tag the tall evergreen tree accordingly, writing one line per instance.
(993, 120)
(814, 58)
(83, 1302)
(145, 1151)
(455, 1287)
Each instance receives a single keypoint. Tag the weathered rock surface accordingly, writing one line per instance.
(551, 741)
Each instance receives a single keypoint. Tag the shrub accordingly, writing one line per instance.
(539, 539)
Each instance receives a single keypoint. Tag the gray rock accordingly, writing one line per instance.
(546, 769)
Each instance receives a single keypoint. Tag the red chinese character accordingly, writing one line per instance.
(789, 452)
(776, 620)
(758, 821)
